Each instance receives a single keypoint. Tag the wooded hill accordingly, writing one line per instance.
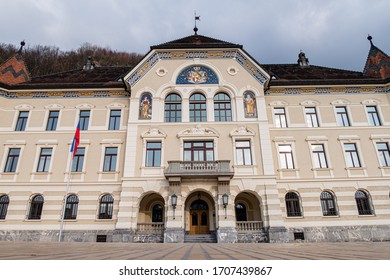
(43, 60)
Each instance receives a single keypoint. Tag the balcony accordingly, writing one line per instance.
(199, 169)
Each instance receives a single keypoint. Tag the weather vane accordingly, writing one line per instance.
(196, 28)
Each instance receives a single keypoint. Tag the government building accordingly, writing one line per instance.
(198, 142)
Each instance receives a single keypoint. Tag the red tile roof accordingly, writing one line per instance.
(14, 71)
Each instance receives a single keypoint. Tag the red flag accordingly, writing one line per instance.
(76, 141)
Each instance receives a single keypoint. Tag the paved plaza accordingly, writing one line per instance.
(200, 251)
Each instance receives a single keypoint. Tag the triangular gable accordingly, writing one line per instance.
(377, 64)
(14, 70)
(197, 47)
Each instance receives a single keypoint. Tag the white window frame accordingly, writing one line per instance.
(153, 135)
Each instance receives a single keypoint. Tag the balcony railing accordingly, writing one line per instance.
(150, 227)
(249, 226)
(191, 169)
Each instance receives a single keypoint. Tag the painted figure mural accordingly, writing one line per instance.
(145, 107)
(250, 105)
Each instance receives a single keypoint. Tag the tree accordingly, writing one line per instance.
(42, 60)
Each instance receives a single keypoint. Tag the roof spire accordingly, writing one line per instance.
(22, 44)
(196, 28)
(303, 61)
(369, 38)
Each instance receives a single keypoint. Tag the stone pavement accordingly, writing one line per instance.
(10, 250)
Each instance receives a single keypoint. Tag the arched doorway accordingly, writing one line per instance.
(200, 213)
(199, 217)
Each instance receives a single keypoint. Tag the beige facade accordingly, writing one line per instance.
(198, 122)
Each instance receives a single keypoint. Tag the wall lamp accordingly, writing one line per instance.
(174, 203)
(225, 201)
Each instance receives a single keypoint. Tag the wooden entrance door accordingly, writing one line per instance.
(199, 217)
(199, 222)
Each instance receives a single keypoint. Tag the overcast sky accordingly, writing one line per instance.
(332, 33)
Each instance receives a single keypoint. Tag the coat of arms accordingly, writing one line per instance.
(196, 75)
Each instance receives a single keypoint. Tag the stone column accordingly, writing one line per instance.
(174, 231)
(226, 228)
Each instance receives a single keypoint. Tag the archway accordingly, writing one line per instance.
(248, 213)
(200, 213)
(151, 213)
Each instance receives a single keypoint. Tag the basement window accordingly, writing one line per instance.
(101, 238)
(299, 236)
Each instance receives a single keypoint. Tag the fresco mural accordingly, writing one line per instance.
(250, 107)
(145, 107)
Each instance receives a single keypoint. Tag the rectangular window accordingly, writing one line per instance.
(384, 153)
(78, 160)
(280, 119)
(153, 154)
(115, 120)
(243, 153)
(342, 116)
(319, 157)
(199, 151)
(22, 121)
(373, 116)
(286, 157)
(52, 120)
(351, 155)
(12, 160)
(110, 158)
(84, 119)
(44, 160)
(311, 117)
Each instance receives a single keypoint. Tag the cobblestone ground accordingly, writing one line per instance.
(135, 251)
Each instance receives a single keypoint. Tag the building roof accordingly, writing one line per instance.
(377, 63)
(289, 74)
(102, 77)
(196, 42)
(14, 70)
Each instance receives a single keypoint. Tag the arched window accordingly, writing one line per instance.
(198, 108)
(241, 213)
(293, 206)
(157, 213)
(106, 207)
(172, 111)
(4, 201)
(72, 203)
(363, 203)
(222, 108)
(328, 204)
(36, 208)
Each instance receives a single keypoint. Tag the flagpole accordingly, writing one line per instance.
(66, 194)
(73, 150)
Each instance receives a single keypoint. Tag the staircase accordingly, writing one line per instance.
(200, 238)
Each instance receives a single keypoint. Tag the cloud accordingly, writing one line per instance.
(332, 33)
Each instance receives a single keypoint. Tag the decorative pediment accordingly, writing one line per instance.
(340, 102)
(85, 106)
(115, 106)
(25, 107)
(370, 102)
(310, 103)
(54, 106)
(154, 133)
(198, 131)
(242, 131)
(278, 103)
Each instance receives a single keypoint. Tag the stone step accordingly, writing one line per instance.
(200, 238)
